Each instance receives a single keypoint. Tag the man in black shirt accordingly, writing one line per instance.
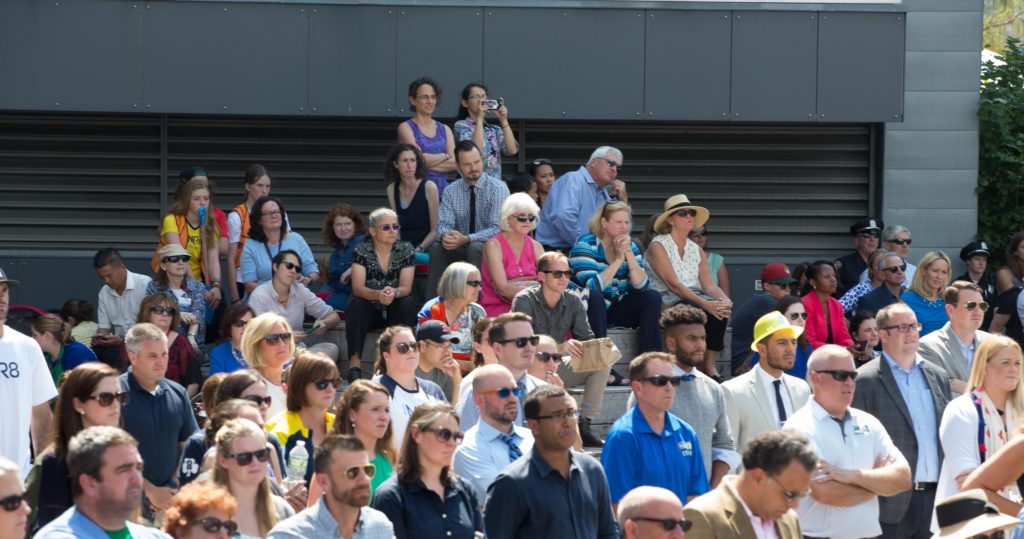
(866, 234)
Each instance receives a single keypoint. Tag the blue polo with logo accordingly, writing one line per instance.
(634, 455)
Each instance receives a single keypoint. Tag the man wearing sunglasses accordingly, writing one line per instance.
(866, 233)
(495, 441)
(759, 502)
(952, 346)
(434, 340)
(106, 485)
(892, 269)
(651, 512)
(896, 239)
(858, 462)
(910, 415)
(344, 473)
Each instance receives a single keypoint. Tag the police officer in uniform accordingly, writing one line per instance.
(866, 234)
(976, 255)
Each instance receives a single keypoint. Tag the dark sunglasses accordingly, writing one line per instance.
(668, 524)
(259, 400)
(526, 218)
(387, 228)
(899, 242)
(474, 284)
(404, 347)
(160, 309)
(840, 376)
(213, 525)
(446, 435)
(558, 274)
(613, 163)
(796, 316)
(870, 234)
(177, 258)
(13, 502)
(245, 459)
(520, 342)
(352, 472)
(239, 323)
(687, 212)
(106, 398)
(971, 305)
(322, 383)
(544, 357)
(289, 265)
(275, 338)
(896, 269)
(503, 393)
(661, 380)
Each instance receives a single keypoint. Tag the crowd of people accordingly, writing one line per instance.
(865, 397)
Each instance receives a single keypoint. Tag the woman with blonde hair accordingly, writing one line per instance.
(61, 352)
(510, 257)
(456, 306)
(201, 510)
(425, 478)
(267, 345)
(978, 423)
(241, 467)
(191, 224)
(924, 296)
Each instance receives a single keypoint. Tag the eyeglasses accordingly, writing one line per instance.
(558, 274)
(404, 347)
(840, 376)
(177, 258)
(790, 495)
(561, 415)
(896, 269)
(275, 338)
(544, 357)
(387, 228)
(661, 380)
(613, 163)
(971, 305)
(272, 213)
(13, 502)
(289, 265)
(523, 218)
(446, 435)
(668, 524)
(442, 345)
(322, 383)
(239, 323)
(106, 398)
(797, 316)
(352, 472)
(520, 342)
(213, 525)
(905, 242)
(245, 459)
(503, 393)
(474, 284)
(160, 309)
(903, 328)
(260, 401)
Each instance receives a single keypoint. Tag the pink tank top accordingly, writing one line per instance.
(490, 300)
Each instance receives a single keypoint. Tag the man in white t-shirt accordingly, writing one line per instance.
(25, 390)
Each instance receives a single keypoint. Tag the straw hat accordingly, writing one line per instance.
(968, 514)
(171, 249)
(676, 203)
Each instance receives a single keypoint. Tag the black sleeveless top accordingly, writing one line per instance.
(415, 219)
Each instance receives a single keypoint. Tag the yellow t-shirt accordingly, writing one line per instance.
(194, 246)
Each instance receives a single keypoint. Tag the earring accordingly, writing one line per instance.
(82, 412)
(353, 425)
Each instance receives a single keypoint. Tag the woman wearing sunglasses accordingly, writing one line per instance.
(382, 273)
(425, 499)
(201, 510)
(227, 356)
(510, 257)
(545, 365)
(61, 352)
(174, 279)
(313, 381)
(241, 467)
(458, 290)
(267, 345)
(398, 357)
(198, 447)
(268, 235)
(197, 227)
(980, 422)
(679, 271)
(14, 509)
(183, 363)
(412, 197)
(544, 176)
(91, 395)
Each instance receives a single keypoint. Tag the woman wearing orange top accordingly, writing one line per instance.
(192, 224)
(458, 290)
(257, 184)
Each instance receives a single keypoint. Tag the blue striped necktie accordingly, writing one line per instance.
(513, 448)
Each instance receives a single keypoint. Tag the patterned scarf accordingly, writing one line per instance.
(996, 434)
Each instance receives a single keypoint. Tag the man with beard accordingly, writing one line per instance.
(699, 400)
(343, 471)
(648, 446)
(106, 484)
(495, 441)
(764, 397)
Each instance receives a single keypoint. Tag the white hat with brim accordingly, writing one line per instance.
(676, 203)
(968, 514)
(171, 249)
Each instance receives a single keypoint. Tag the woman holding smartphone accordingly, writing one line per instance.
(492, 140)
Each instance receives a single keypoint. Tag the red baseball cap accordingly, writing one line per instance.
(776, 272)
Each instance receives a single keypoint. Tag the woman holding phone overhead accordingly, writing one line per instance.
(492, 140)
(433, 138)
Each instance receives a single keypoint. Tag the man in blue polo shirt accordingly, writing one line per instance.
(158, 415)
(648, 445)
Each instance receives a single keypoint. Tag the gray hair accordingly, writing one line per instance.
(518, 203)
(880, 261)
(86, 449)
(823, 354)
(603, 151)
(890, 232)
(140, 333)
(452, 283)
(378, 214)
(632, 504)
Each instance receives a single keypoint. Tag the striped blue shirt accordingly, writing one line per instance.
(588, 260)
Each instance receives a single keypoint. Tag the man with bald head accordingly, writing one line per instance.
(495, 441)
(646, 512)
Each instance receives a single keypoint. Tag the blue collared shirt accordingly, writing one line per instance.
(317, 521)
(967, 349)
(73, 524)
(918, 397)
(574, 197)
(483, 454)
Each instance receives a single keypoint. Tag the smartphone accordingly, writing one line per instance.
(491, 104)
(860, 345)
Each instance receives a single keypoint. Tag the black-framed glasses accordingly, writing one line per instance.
(404, 347)
(523, 218)
(687, 212)
(291, 266)
(160, 309)
(260, 401)
(902, 242)
(13, 502)
(661, 380)
(791, 496)
(352, 472)
(902, 268)
(239, 323)
(520, 342)
(971, 305)
(245, 459)
(613, 163)
(275, 338)
(474, 284)
(503, 393)
(903, 328)
(177, 258)
(107, 398)
(271, 213)
(558, 274)
(323, 383)
(797, 316)
(544, 357)
(839, 375)
(445, 435)
(214, 525)
(561, 415)
(389, 227)
(667, 524)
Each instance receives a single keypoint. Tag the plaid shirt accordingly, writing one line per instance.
(454, 213)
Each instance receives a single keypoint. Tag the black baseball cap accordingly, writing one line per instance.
(435, 331)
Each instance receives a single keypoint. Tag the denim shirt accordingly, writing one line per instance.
(73, 524)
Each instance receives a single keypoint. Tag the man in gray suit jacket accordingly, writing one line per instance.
(953, 346)
(907, 395)
(762, 398)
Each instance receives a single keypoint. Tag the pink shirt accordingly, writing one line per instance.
(526, 265)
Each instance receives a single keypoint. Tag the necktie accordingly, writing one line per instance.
(472, 209)
(513, 448)
(688, 377)
(778, 401)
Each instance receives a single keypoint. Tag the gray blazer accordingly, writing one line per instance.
(942, 347)
(878, 395)
(749, 409)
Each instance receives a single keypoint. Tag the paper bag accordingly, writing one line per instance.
(598, 354)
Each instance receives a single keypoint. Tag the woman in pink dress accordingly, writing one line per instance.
(510, 257)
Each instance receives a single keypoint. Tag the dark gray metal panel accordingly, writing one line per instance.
(225, 58)
(352, 53)
(944, 31)
(932, 150)
(943, 71)
(443, 43)
(939, 111)
(69, 55)
(860, 67)
(687, 65)
(945, 188)
(587, 65)
(774, 67)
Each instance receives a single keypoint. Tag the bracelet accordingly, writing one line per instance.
(504, 126)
